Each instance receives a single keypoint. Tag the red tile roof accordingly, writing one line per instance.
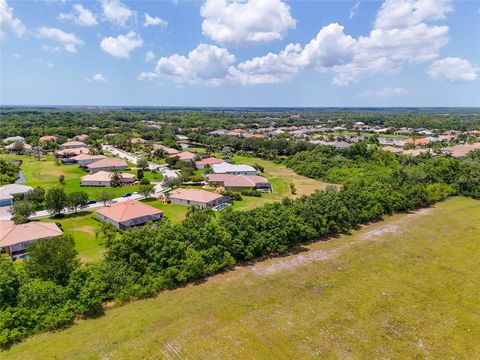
(209, 161)
(11, 234)
(108, 162)
(128, 210)
(197, 195)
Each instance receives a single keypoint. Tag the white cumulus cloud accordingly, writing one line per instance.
(96, 78)
(8, 22)
(453, 69)
(116, 12)
(396, 14)
(122, 45)
(403, 35)
(154, 21)
(80, 16)
(69, 40)
(206, 64)
(248, 22)
(386, 92)
(149, 56)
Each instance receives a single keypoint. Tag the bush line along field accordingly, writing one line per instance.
(405, 287)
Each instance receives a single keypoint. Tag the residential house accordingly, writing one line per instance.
(461, 150)
(104, 178)
(185, 156)
(84, 159)
(82, 137)
(418, 142)
(15, 239)
(66, 154)
(72, 145)
(107, 164)
(48, 138)
(167, 150)
(18, 147)
(7, 193)
(129, 213)
(239, 182)
(13, 139)
(138, 141)
(208, 161)
(226, 168)
(392, 149)
(196, 197)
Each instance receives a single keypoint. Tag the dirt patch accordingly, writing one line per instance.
(421, 212)
(387, 229)
(87, 229)
(293, 262)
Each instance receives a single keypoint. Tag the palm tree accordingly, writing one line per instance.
(116, 178)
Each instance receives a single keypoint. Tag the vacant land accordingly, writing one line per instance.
(406, 287)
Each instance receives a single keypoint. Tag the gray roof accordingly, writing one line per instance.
(12, 189)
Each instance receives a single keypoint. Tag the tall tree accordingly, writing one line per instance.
(56, 200)
(52, 259)
(77, 199)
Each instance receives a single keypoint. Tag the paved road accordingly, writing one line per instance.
(166, 172)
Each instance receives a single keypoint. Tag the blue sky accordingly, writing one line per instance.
(240, 53)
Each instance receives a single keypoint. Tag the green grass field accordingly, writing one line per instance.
(280, 177)
(403, 288)
(82, 227)
(46, 172)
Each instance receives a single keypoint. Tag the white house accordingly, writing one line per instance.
(226, 168)
(7, 193)
(196, 197)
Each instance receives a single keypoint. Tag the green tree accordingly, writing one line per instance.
(77, 199)
(293, 189)
(55, 200)
(116, 178)
(146, 190)
(61, 180)
(144, 181)
(142, 164)
(52, 259)
(9, 282)
(105, 197)
(36, 195)
(22, 210)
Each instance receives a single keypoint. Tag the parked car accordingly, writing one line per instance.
(91, 202)
(127, 195)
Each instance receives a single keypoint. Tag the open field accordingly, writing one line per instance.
(406, 287)
(46, 172)
(82, 227)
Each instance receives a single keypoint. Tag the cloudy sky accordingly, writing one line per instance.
(240, 53)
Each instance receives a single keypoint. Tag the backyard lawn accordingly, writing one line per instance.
(403, 288)
(82, 227)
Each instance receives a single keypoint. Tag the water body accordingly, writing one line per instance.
(21, 178)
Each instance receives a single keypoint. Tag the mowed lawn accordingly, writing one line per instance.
(280, 177)
(82, 226)
(46, 173)
(403, 288)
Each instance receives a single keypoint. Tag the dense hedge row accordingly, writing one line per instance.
(50, 290)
